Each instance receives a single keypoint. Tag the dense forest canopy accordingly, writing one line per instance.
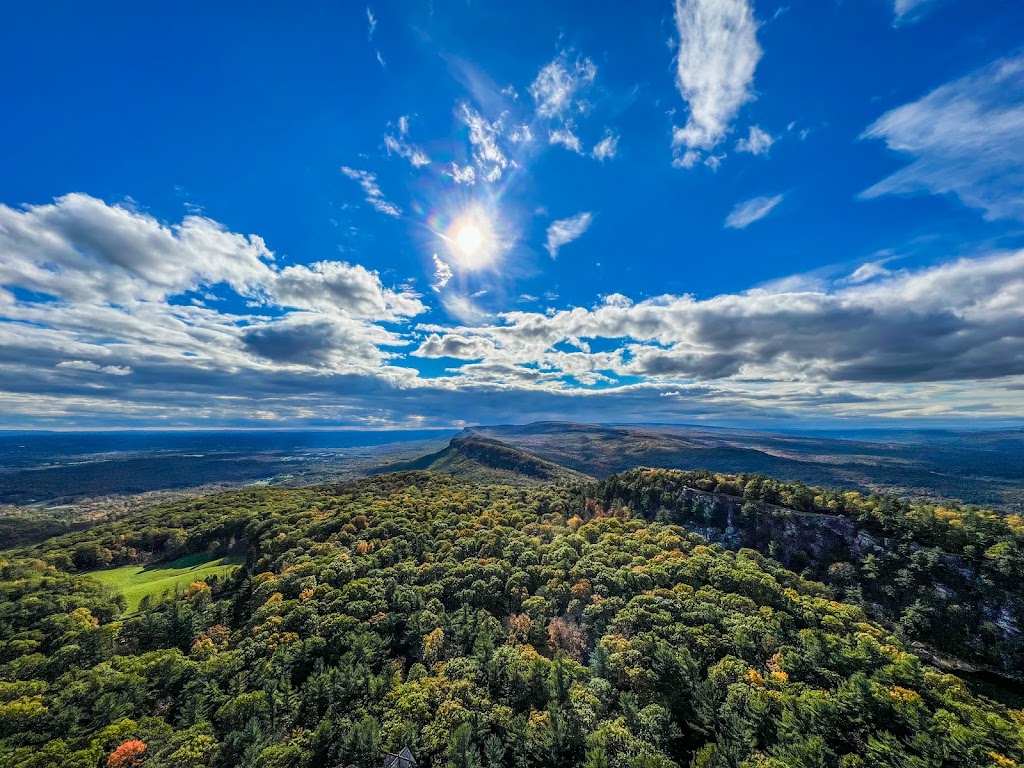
(484, 625)
(945, 574)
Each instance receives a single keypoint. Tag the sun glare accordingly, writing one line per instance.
(469, 238)
(472, 242)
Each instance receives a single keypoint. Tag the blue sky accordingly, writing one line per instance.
(443, 213)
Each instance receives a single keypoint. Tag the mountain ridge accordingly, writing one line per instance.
(476, 458)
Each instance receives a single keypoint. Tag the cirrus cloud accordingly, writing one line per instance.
(965, 140)
(749, 211)
(374, 195)
(564, 231)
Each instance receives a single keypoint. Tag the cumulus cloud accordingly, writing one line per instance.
(330, 286)
(559, 82)
(314, 340)
(80, 249)
(564, 231)
(757, 143)
(103, 289)
(374, 195)
(454, 345)
(606, 148)
(98, 329)
(749, 211)
(718, 55)
(960, 321)
(965, 140)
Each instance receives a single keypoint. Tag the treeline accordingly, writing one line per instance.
(946, 575)
(476, 625)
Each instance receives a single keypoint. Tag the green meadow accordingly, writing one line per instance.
(137, 581)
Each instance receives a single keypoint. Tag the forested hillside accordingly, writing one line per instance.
(478, 625)
(947, 575)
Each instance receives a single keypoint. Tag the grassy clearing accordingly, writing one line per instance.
(137, 581)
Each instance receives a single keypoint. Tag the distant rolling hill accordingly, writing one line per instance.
(976, 467)
(485, 460)
(89, 473)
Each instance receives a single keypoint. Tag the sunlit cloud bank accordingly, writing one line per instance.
(111, 314)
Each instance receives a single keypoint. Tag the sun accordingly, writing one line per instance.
(472, 241)
(468, 238)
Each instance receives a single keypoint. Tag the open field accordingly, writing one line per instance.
(137, 581)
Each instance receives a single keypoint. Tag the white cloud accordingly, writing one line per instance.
(490, 161)
(867, 272)
(566, 138)
(442, 273)
(329, 286)
(557, 84)
(454, 345)
(718, 55)
(617, 300)
(88, 365)
(380, 59)
(564, 231)
(374, 195)
(907, 8)
(606, 148)
(398, 145)
(371, 23)
(101, 332)
(965, 138)
(79, 249)
(520, 134)
(416, 156)
(757, 143)
(714, 161)
(110, 283)
(463, 308)
(313, 340)
(746, 213)
(959, 321)
(464, 174)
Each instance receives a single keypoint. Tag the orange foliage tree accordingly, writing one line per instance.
(128, 755)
